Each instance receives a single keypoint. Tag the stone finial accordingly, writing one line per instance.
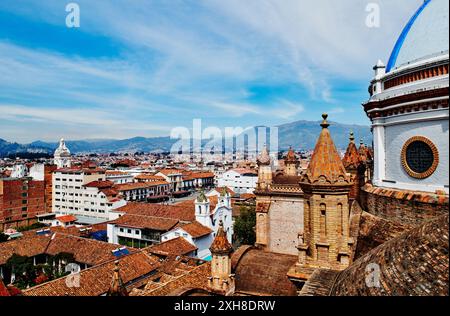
(325, 123)
(352, 137)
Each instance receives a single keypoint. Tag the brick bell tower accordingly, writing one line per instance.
(265, 177)
(325, 241)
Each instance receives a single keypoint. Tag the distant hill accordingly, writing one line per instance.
(304, 134)
(299, 134)
(7, 148)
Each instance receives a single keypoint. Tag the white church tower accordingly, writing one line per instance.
(61, 158)
(202, 210)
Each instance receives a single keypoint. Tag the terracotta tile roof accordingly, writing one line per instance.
(196, 230)
(325, 166)
(418, 196)
(66, 218)
(144, 221)
(100, 184)
(413, 264)
(220, 189)
(30, 246)
(88, 251)
(85, 250)
(351, 158)
(168, 172)
(195, 278)
(174, 247)
(202, 175)
(178, 212)
(260, 272)
(75, 231)
(96, 281)
(149, 177)
(221, 245)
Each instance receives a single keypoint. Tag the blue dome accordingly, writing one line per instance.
(425, 35)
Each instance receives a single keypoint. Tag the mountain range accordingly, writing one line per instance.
(300, 135)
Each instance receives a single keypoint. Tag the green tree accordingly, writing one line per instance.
(244, 226)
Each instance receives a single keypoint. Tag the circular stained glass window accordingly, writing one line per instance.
(420, 157)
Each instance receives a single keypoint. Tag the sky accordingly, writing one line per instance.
(144, 67)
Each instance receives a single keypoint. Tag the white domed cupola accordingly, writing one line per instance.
(62, 155)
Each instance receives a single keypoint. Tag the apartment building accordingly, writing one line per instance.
(21, 200)
(240, 180)
(84, 193)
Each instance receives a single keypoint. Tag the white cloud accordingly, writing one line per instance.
(182, 57)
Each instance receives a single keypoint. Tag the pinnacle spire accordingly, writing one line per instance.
(264, 157)
(117, 287)
(221, 245)
(325, 166)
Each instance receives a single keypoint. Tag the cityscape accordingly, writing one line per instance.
(202, 169)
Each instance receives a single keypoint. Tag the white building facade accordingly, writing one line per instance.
(73, 195)
(239, 180)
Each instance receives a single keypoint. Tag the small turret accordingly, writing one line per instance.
(221, 280)
(291, 163)
(264, 170)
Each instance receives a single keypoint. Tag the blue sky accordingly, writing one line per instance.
(141, 68)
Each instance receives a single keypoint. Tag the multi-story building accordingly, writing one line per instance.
(240, 180)
(119, 177)
(143, 224)
(21, 200)
(143, 191)
(84, 193)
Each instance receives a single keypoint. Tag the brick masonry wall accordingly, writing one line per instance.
(21, 201)
(285, 222)
(403, 207)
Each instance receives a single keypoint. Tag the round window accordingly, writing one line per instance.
(420, 157)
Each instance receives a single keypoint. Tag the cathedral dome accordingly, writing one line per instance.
(412, 264)
(62, 150)
(425, 36)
